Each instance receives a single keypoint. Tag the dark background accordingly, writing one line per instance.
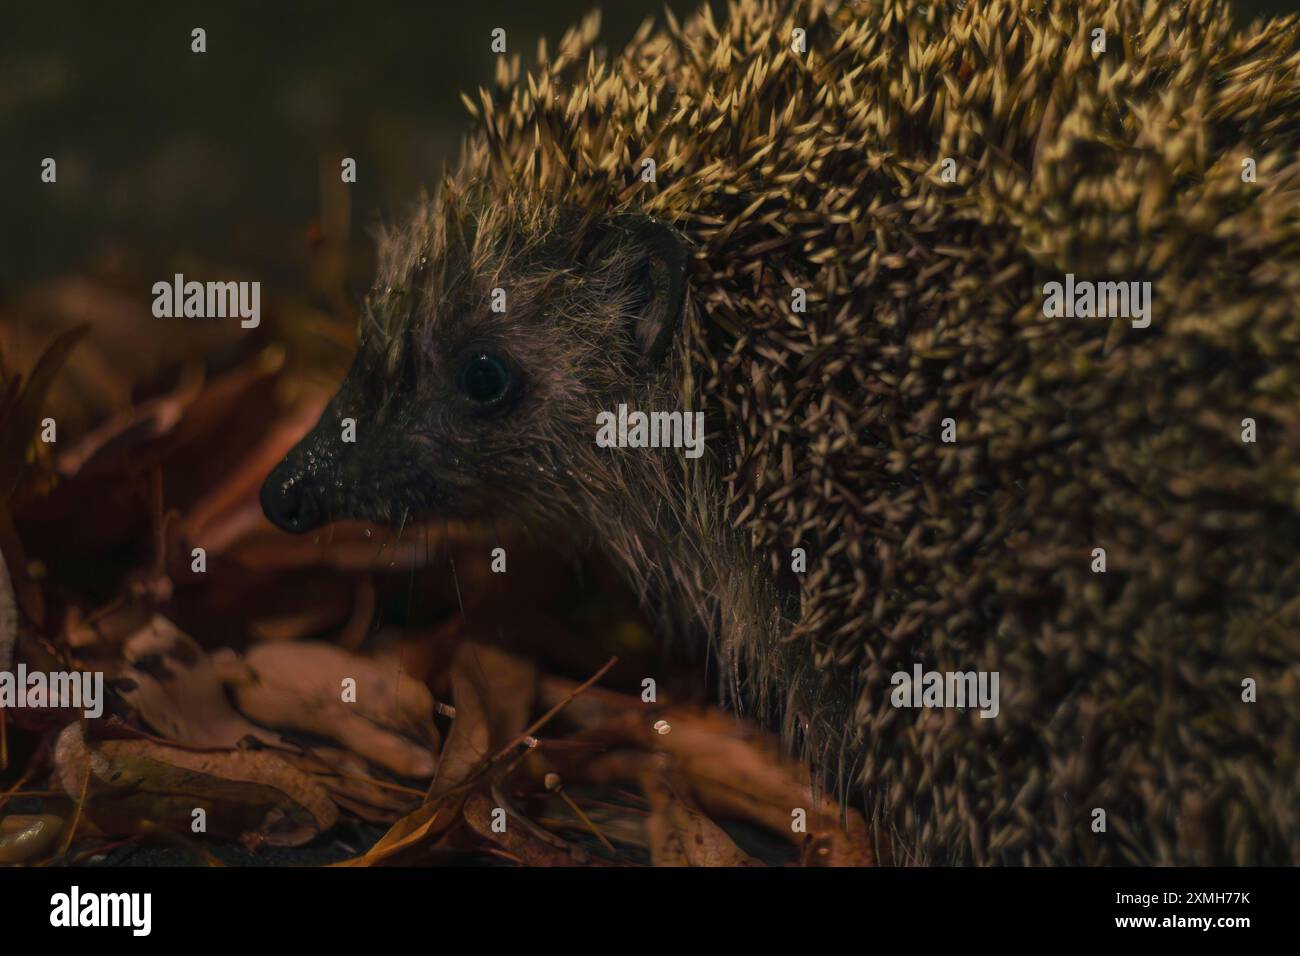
(163, 153)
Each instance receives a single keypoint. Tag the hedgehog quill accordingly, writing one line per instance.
(829, 227)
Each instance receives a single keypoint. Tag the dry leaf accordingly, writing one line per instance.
(413, 829)
(731, 770)
(244, 794)
(519, 842)
(301, 687)
(493, 692)
(680, 835)
(173, 685)
(353, 786)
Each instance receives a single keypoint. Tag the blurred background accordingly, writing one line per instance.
(163, 152)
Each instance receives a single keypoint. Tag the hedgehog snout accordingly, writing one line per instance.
(290, 501)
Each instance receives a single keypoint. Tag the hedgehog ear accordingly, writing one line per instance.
(657, 272)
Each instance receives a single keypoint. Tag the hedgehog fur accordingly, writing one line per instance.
(821, 170)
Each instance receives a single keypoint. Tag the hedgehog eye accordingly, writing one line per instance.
(485, 379)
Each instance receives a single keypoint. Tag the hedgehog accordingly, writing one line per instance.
(830, 228)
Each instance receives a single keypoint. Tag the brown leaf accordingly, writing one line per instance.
(493, 692)
(353, 785)
(421, 824)
(245, 794)
(172, 683)
(301, 687)
(680, 835)
(731, 769)
(219, 518)
(517, 841)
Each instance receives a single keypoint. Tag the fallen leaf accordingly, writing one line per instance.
(416, 827)
(680, 835)
(172, 683)
(518, 841)
(301, 687)
(732, 770)
(251, 794)
(493, 692)
(353, 785)
(214, 517)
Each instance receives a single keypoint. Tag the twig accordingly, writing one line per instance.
(587, 821)
(473, 779)
(551, 744)
(546, 717)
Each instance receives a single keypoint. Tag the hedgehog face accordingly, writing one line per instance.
(475, 394)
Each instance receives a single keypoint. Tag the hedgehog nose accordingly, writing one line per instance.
(290, 503)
